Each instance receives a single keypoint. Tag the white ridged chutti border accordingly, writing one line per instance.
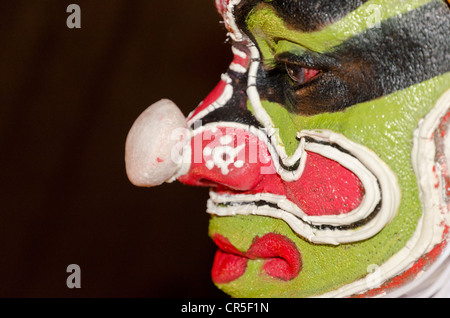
(435, 217)
(379, 182)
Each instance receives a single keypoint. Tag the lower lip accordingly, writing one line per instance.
(282, 259)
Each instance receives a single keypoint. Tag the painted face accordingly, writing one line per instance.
(325, 147)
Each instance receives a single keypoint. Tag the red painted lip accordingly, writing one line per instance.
(282, 258)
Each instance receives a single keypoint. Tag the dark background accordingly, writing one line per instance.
(67, 100)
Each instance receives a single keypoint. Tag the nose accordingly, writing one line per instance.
(150, 144)
(214, 155)
(206, 155)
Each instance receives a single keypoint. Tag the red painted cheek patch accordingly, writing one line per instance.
(282, 258)
(325, 188)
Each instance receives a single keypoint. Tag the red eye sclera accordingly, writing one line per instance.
(299, 74)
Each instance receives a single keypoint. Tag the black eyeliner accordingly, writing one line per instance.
(308, 59)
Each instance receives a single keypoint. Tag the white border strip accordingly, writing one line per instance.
(218, 103)
(373, 173)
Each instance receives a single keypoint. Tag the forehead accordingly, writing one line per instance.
(303, 15)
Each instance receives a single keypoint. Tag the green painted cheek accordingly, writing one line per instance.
(285, 125)
(385, 126)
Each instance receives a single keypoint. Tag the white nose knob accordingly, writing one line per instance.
(150, 143)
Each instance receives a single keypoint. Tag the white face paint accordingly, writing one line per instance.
(223, 155)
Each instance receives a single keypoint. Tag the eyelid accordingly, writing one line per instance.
(286, 58)
(307, 60)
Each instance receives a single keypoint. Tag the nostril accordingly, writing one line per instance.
(204, 182)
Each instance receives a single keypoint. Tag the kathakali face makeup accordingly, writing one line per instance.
(325, 147)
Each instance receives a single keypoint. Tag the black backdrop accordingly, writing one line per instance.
(67, 100)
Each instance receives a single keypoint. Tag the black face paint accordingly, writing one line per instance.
(312, 15)
(235, 109)
(303, 15)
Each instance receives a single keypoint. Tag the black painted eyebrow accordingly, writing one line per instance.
(312, 15)
(303, 15)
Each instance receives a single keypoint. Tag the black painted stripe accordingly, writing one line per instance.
(346, 227)
(313, 15)
(303, 15)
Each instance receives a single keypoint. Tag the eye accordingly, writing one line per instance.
(300, 75)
